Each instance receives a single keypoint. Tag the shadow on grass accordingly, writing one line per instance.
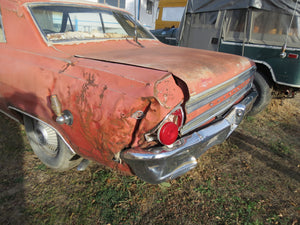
(12, 203)
(250, 144)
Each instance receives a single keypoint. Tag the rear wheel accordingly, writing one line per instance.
(48, 146)
(264, 89)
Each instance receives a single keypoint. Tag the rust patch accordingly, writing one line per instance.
(102, 95)
(65, 67)
(90, 82)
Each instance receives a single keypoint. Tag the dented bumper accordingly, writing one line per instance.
(164, 163)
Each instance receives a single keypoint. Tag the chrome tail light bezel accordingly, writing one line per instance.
(153, 135)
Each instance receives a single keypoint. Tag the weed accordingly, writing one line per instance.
(41, 167)
(205, 189)
(262, 188)
(164, 185)
(110, 201)
(277, 219)
(250, 119)
(28, 149)
(280, 148)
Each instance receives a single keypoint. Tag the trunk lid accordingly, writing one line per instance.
(199, 69)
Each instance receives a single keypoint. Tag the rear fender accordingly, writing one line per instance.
(167, 95)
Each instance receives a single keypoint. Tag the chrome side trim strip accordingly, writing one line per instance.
(204, 98)
(212, 94)
(10, 116)
(213, 112)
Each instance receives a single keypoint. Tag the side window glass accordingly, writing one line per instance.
(234, 25)
(205, 20)
(2, 37)
(274, 28)
(172, 13)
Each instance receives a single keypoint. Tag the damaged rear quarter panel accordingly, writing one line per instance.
(103, 99)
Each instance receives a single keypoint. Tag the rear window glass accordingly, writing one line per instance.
(70, 23)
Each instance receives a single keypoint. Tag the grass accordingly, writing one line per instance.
(252, 178)
(280, 148)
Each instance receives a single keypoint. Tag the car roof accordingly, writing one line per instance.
(75, 2)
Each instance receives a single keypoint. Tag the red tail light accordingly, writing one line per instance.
(168, 133)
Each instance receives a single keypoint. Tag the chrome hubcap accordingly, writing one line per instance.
(46, 137)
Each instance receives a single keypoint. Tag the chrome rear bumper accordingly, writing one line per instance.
(162, 163)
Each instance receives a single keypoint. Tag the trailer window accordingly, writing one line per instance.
(234, 25)
(205, 20)
(273, 29)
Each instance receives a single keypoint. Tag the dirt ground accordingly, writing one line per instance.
(252, 178)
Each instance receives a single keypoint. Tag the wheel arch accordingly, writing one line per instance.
(266, 70)
(20, 113)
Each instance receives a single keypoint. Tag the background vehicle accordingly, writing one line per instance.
(170, 13)
(267, 32)
(168, 20)
(166, 35)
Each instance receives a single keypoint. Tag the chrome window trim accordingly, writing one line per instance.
(83, 5)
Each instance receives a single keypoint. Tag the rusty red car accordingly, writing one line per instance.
(89, 83)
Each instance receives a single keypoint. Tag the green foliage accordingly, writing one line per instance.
(41, 167)
(250, 119)
(280, 148)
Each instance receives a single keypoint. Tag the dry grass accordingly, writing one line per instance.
(252, 178)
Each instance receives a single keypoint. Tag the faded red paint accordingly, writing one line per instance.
(102, 83)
